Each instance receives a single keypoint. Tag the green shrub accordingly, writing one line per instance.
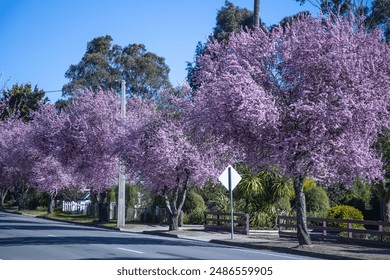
(386, 238)
(345, 212)
(262, 220)
(194, 208)
(317, 201)
(194, 217)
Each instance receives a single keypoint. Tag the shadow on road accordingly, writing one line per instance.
(88, 240)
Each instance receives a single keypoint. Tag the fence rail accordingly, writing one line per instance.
(356, 231)
(219, 221)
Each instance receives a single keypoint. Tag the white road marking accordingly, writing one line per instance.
(128, 250)
(268, 254)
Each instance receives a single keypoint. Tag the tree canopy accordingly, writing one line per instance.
(21, 101)
(376, 15)
(231, 18)
(159, 150)
(103, 66)
(308, 97)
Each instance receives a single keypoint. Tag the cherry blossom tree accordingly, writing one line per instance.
(28, 158)
(162, 154)
(86, 141)
(48, 173)
(310, 97)
(4, 178)
(14, 163)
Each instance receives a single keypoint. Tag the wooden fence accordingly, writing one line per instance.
(219, 221)
(352, 231)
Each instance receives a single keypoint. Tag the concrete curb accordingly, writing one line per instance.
(248, 245)
(283, 250)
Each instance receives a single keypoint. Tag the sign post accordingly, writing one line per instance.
(230, 178)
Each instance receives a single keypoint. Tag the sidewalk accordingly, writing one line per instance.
(268, 240)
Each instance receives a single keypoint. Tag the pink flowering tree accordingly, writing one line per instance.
(28, 156)
(161, 153)
(4, 174)
(310, 97)
(86, 141)
(14, 163)
(48, 174)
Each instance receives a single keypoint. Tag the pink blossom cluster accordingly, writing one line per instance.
(310, 97)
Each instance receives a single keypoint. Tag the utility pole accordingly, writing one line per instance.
(121, 180)
(256, 13)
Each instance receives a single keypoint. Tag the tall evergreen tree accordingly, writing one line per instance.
(104, 65)
(21, 100)
(231, 18)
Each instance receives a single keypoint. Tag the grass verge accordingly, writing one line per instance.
(64, 216)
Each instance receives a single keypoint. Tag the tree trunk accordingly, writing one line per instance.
(3, 194)
(50, 203)
(300, 205)
(256, 13)
(387, 212)
(174, 208)
(103, 208)
(173, 221)
(386, 205)
(21, 197)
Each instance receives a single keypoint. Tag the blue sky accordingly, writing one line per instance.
(40, 39)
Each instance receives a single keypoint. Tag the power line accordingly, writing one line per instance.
(49, 91)
(45, 91)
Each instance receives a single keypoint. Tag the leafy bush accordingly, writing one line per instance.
(386, 238)
(262, 220)
(345, 212)
(317, 201)
(216, 197)
(194, 207)
(266, 218)
(264, 195)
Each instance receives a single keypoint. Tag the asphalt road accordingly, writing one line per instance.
(30, 238)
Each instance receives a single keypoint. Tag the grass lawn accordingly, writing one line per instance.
(64, 216)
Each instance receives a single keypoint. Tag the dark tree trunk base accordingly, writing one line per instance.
(173, 222)
(300, 205)
(387, 212)
(103, 208)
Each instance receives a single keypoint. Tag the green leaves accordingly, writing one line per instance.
(21, 100)
(104, 64)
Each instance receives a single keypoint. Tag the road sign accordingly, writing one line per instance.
(230, 178)
(235, 178)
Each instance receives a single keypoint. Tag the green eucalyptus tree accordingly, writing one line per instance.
(231, 18)
(103, 65)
